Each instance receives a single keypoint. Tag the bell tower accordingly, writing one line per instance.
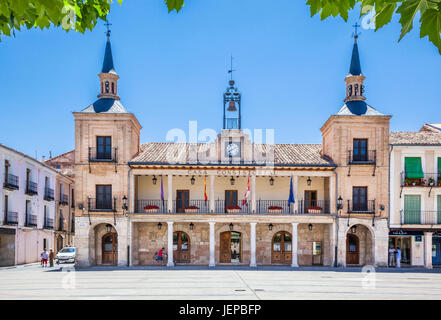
(108, 76)
(232, 104)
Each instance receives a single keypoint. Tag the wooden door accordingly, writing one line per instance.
(230, 198)
(225, 247)
(59, 243)
(182, 200)
(310, 199)
(110, 249)
(181, 247)
(281, 248)
(352, 249)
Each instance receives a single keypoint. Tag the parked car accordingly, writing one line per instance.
(66, 255)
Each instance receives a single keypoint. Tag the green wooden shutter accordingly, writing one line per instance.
(439, 210)
(412, 209)
(439, 165)
(413, 167)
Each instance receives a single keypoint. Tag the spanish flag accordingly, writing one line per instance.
(205, 188)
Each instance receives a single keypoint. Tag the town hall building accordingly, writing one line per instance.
(231, 201)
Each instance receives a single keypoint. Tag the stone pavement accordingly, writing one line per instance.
(223, 282)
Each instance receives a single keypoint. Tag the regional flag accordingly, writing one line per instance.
(205, 188)
(291, 194)
(246, 195)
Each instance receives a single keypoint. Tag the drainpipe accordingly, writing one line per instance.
(128, 217)
(336, 220)
(389, 184)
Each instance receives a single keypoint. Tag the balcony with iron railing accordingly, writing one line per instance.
(31, 220)
(49, 224)
(31, 188)
(101, 205)
(102, 155)
(11, 182)
(273, 207)
(420, 217)
(11, 218)
(364, 207)
(61, 224)
(49, 194)
(64, 199)
(314, 206)
(424, 179)
(366, 157)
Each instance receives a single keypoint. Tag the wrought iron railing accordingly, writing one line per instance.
(49, 194)
(191, 206)
(11, 182)
(64, 199)
(314, 206)
(222, 206)
(31, 220)
(31, 188)
(101, 204)
(361, 207)
(151, 206)
(273, 206)
(366, 157)
(11, 218)
(420, 217)
(96, 155)
(49, 223)
(425, 179)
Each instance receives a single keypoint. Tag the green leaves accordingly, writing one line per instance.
(174, 5)
(429, 12)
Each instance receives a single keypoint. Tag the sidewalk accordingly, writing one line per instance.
(21, 265)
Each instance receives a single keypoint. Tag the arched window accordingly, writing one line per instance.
(113, 88)
(107, 86)
(356, 89)
(350, 90)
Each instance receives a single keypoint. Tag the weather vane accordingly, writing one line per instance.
(231, 67)
(356, 33)
(107, 24)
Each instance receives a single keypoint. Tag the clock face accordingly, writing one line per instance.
(232, 149)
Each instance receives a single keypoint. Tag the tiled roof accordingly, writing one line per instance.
(284, 154)
(415, 138)
(434, 127)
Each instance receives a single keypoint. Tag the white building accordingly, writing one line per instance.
(415, 192)
(27, 209)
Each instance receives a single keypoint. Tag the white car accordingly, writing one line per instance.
(66, 254)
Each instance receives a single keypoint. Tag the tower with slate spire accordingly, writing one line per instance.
(108, 76)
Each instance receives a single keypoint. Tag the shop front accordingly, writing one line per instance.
(436, 249)
(410, 246)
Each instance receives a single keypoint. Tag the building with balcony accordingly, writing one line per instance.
(415, 191)
(231, 199)
(27, 209)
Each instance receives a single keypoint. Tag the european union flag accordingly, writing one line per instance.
(291, 194)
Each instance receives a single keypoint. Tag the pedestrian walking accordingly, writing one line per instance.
(398, 254)
(161, 256)
(51, 258)
(44, 256)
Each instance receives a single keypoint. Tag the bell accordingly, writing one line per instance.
(232, 106)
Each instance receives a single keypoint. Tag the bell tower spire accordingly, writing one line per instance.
(232, 103)
(108, 76)
(355, 79)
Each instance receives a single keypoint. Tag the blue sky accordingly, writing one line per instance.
(173, 68)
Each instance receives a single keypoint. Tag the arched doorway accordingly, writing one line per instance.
(352, 249)
(181, 247)
(360, 246)
(230, 247)
(281, 248)
(59, 243)
(110, 248)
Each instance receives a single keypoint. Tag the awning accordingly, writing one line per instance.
(413, 167)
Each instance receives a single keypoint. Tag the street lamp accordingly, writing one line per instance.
(354, 229)
(192, 180)
(309, 181)
(124, 207)
(154, 179)
(232, 180)
(270, 227)
(159, 226)
(108, 228)
(339, 203)
(271, 181)
(231, 226)
(191, 226)
(310, 227)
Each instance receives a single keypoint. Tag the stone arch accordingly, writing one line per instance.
(96, 233)
(360, 246)
(243, 229)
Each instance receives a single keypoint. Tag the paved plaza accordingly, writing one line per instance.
(35, 282)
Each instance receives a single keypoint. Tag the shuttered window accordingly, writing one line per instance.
(412, 209)
(413, 167)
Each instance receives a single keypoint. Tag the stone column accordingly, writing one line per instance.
(253, 245)
(212, 261)
(253, 193)
(170, 262)
(295, 263)
(428, 250)
(170, 193)
(131, 196)
(211, 195)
